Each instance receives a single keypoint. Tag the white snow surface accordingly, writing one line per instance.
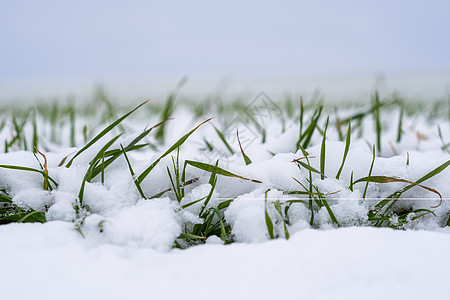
(51, 261)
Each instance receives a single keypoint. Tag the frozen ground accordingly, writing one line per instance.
(105, 238)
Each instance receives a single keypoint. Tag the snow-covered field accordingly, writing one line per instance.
(137, 214)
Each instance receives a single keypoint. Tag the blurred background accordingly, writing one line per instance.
(141, 49)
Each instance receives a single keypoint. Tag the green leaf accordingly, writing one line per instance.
(347, 147)
(217, 170)
(322, 151)
(138, 186)
(370, 173)
(103, 133)
(173, 147)
(30, 170)
(269, 223)
(187, 236)
(223, 139)
(246, 158)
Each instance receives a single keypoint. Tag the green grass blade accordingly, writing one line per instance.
(322, 151)
(187, 236)
(88, 175)
(30, 170)
(351, 182)
(35, 132)
(347, 147)
(370, 173)
(159, 195)
(223, 232)
(208, 198)
(300, 121)
(98, 157)
(72, 127)
(103, 133)
(173, 147)
(400, 125)
(310, 168)
(247, 159)
(138, 186)
(427, 176)
(376, 111)
(269, 222)
(307, 135)
(223, 139)
(224, 204)
(37, 215)
(168, 110)
(217, 170)
(277, 206)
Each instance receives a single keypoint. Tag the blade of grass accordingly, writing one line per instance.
(88, 175)
(400, 125)
(347, 147)
(370, 174)
(322, 151)
(173, 147)
(223, 232)
(277, 206)
(103, 133)
(246, 158)
(30, 170)
(217, 170)
(269, 223)
(376, 112)
(223, 139)
(168, 110)
(138, 186)
(307, 135)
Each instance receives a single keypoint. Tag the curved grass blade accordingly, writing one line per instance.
(188, 236)
(394, 196)
(223, 139)
(103, 133)
(310, 168)
(131, 146)
(174, 146)
(88, 175)
(217, 170)
(138, 186)
(46, 183)
(30, 170)
(159, 195)
(37, 216)
(168, 109)
(387, 179)
(246, 158)
(212, 182)
(224, 204)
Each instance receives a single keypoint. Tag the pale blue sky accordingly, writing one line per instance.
(97, 40)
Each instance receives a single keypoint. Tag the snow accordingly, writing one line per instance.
(51, 261)
(120, 245)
